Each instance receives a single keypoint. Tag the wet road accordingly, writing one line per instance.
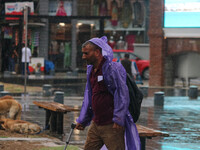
(179, 117)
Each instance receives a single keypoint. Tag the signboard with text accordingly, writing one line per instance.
(17, 9)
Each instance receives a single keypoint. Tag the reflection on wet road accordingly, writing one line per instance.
(179, 117)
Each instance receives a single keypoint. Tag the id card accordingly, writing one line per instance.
(100, 78)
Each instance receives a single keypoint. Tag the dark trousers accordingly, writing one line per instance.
(11, 66)
(23, 68)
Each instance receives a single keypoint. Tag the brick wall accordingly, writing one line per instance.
(181, 45)
(156, 43)
(163, 52)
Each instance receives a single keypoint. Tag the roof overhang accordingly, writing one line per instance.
(33, 24)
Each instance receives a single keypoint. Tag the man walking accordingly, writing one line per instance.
(12, 58)
(127, 64)
(26, 58)
(106, 101)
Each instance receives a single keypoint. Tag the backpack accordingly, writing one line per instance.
(136, 98)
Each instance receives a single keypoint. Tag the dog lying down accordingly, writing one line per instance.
(8, 105)
(6, 97)
(12, 107)
(20, 126)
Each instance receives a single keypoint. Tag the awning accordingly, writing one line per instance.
(33, 24)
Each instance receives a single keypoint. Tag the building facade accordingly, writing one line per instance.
(174, 41)
(57, 35)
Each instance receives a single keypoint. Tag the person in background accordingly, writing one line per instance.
(106, 101)
(35, 53)
(12, 58)
(127, 64)
(25, 59)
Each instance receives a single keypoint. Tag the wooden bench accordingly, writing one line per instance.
(54, 115)
(145, 132)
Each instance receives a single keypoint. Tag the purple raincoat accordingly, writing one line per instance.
(114, 76)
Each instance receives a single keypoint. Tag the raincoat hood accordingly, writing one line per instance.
(106, 49)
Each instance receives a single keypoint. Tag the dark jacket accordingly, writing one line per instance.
(127, 65)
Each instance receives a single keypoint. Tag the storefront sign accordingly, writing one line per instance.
(17, 8)
(37, 64)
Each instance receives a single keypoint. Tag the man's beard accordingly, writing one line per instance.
(91, 62)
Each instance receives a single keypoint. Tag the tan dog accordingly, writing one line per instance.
(10, 107)
(6, 97)
(20, 126)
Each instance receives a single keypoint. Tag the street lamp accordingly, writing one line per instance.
(26, 12)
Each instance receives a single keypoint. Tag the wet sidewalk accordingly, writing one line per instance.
(179, 117)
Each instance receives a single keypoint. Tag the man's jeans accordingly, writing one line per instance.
(23, 68)
(11, 64)
(99, 135)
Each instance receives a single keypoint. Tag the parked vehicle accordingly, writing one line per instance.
(143, 65)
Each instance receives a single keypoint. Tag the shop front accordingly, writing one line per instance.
(64, 25)
(125, 27)
(11, 31)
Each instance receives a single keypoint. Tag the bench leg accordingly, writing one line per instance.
(59, 123)
(53, 122)
(143, 143)
(47, 123)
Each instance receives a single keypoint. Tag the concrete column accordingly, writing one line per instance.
(75, 72)
(3, 93)
(169, 71)
(159, 98)
(59, 97)
(6, 73)
(52, 72)
(47, 90)
(193, 92)
(1, 87)
(44, 31)
(69, 73)
(144, 90)
(38, 74)
(74, 36)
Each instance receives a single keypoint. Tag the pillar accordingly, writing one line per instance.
(159, 98)
(156, 36)
(47, 90)
(193, 92)
(1, 87)
(59, 97)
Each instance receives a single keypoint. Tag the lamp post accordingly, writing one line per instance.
(25, 36)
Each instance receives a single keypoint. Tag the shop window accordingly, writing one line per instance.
(84, 7)
(60, 8)
(60, 45)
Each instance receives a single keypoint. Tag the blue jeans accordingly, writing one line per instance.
(23, 68)
(11, 66)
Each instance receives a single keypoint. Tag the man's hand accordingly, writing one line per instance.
(116, 126)
(79, 126)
